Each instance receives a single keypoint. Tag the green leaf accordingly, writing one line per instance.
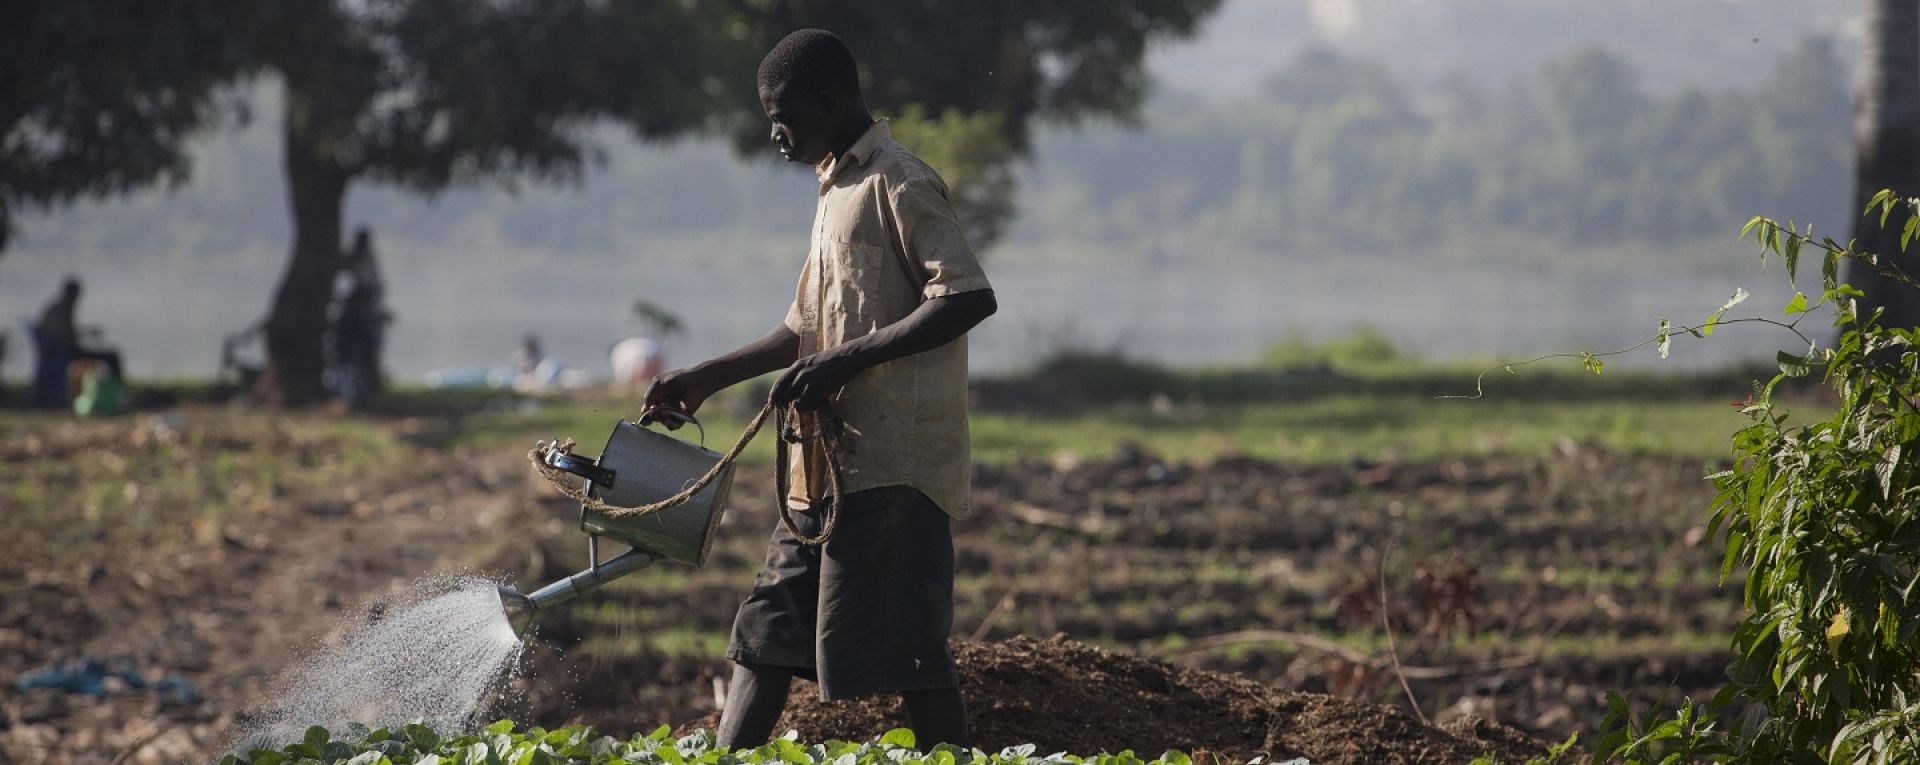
(1739, 295)
(1884, 471)
(316, 737)
(424, 738)
(900, 737)
(1797, 305)
(1793, 366)
(501, 727)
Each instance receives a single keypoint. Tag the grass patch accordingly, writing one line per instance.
(181, 478)
(1363, 426)
(1379, 413)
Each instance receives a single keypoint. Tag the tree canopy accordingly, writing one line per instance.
(98, 98)
(427, 94)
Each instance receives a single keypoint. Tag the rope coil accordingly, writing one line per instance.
(824, 429)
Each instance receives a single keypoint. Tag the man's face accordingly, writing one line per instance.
(801, 124)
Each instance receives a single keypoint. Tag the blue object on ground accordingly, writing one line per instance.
(88, 676)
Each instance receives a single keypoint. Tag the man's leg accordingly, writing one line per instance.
(773, 638)
(755, 699)
(938, 716)
(886, 610)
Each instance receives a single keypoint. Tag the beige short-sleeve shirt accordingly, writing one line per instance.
(885, 239)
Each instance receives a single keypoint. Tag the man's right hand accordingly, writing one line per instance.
(681, 390)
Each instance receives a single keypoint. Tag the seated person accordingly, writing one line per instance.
(59, 334)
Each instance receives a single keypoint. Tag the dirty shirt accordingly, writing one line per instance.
(885, 239)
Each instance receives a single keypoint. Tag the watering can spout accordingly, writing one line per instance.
(521, 609)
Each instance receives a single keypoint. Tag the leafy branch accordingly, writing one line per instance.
(1591, 360)
(1786, 241)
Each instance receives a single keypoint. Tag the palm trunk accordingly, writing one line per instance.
(1887, 139)
(296, 325)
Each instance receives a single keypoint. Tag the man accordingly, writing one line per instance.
(360, 322)
(876, 337)
(59, 332)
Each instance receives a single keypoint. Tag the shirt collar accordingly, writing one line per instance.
(857, 154)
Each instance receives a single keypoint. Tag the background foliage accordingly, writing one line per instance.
(1582, 151)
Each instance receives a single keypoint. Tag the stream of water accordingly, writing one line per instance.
(437, 656)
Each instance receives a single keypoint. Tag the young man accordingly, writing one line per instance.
(875, 336)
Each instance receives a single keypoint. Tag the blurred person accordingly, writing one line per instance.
(59, 334)
(528, 356)
(636, 361)
(359, 323)
(876, 335)
(533, 370)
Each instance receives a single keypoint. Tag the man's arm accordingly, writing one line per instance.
(686, 389)
(935, 323)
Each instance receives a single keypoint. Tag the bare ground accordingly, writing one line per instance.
(1519, 588)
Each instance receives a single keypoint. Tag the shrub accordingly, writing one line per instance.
(1826, 662)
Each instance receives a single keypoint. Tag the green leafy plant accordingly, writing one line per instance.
(501, 744)
(1820, 516)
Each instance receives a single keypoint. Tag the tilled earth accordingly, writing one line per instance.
(1518, 589)
(1063, 696)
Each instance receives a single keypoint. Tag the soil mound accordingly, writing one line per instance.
(1066, 696)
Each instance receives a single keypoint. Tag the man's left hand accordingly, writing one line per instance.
(812, 380)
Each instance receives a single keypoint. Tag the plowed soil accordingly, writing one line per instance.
(1519, 588)
(1064, 696)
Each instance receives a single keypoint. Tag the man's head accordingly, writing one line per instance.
(70, 289)
(810, 89)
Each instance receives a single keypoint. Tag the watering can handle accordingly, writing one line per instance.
(581, 466)
(676, 417)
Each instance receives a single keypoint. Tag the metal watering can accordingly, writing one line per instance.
(637, 467)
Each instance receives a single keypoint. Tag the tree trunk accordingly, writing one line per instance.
(297, 323)
(1887, 140)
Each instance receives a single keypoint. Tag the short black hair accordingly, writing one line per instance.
(813, 59)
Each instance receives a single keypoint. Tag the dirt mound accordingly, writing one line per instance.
(1067, 696)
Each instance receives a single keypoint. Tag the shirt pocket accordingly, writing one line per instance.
(853, 299)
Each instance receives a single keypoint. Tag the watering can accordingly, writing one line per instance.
(637, 467)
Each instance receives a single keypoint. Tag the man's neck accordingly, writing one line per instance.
(850, 133)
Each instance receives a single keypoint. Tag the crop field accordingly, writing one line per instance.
(1517, 556)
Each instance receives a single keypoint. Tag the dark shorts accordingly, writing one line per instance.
(869, 611)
